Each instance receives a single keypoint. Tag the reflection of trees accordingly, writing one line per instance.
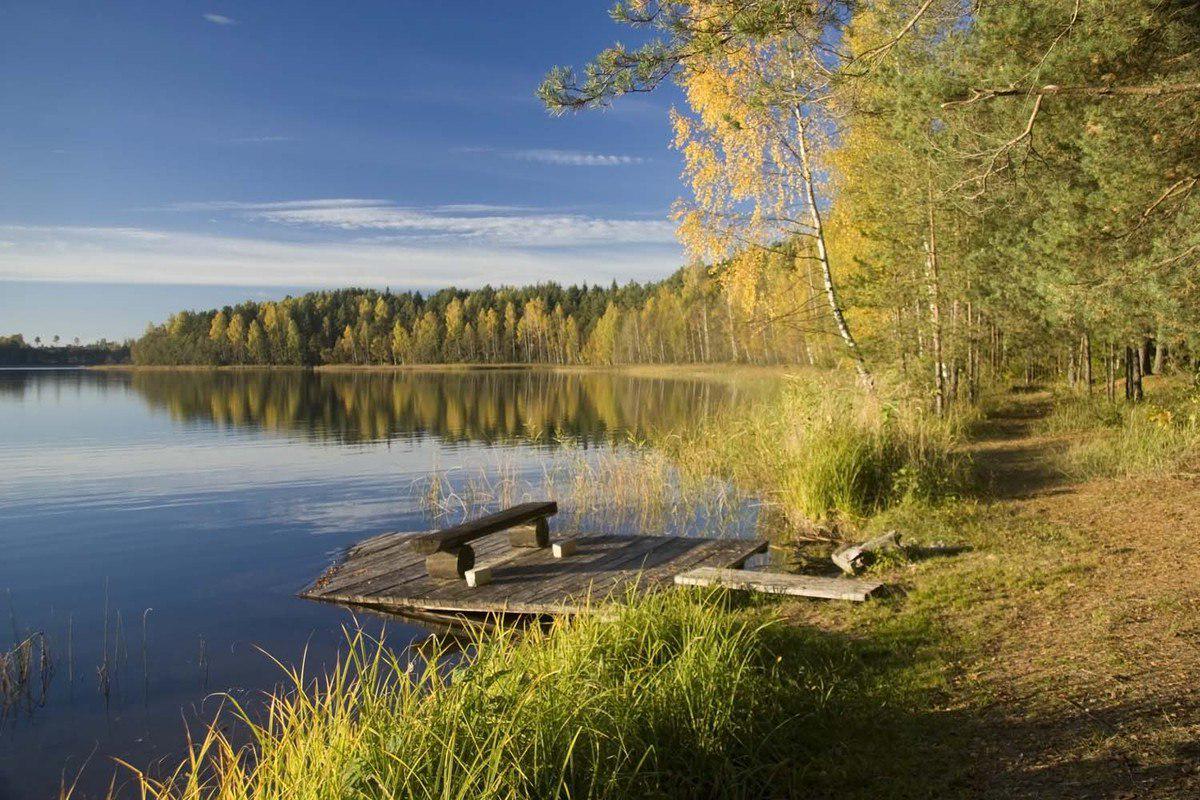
(531, 405)
(21, 384)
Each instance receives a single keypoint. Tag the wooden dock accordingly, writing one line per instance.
(392, 571)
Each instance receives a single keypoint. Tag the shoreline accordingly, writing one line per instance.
(710, 371)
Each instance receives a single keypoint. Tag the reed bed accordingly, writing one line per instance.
(629, 488)
(818, 455)
(824, 452)
(675, 697)
(25, 673)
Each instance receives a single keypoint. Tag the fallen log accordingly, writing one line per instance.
(853, 559)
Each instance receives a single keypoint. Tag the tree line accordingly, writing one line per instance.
(15, 351)
(955, 192)
(688, 318)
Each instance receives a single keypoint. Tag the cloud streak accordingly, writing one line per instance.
(219, 19)
(477, 223)
(138, 255)
(572, 158)
(559, 158)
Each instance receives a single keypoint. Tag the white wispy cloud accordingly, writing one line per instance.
(573, 158)
(139, 255)
(561, 158)
(260, 139)
(219, 19)
(480, 223)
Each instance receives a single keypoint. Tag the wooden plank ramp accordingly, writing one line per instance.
(781, 583)
(387, 572)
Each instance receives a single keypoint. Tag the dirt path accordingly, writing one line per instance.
(1090, 682)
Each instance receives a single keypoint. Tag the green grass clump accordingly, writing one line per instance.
(1126, 439)
(825, 450)
(1149, 439)
(674, 698)
(1073, 413)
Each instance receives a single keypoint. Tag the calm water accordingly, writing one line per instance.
(154, 527)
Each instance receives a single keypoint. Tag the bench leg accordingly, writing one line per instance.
(450, 565)
(536, 534)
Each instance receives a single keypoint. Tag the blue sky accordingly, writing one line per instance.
(164, 155)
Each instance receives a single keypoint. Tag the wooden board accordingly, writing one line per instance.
(780, 583)
(384, 572)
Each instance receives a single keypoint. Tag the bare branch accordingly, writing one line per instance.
(995, 155)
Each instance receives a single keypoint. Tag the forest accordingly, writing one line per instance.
(687, 318)
(941, 189)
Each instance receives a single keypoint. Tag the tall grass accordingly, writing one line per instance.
(630, 488)
(825, 451)
(672, 698)
(818, 450)
(1128, 439)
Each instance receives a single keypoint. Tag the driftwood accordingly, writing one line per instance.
(853, 559)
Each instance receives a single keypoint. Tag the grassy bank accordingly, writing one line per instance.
(679, 696)
(815, 449)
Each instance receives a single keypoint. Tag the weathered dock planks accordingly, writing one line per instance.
(388, 572)
(781, 583)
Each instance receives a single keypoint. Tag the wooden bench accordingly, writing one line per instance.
(449, 553)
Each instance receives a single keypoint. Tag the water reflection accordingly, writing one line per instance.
(536, 406)
(482, 406)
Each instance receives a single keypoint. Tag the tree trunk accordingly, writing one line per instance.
(733, 349)
(972, 353)
(1111, 365)
(835, 306)
(1138, 372)
(1086, 345)
(935, 312)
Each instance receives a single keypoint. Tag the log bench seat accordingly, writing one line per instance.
(449, 554)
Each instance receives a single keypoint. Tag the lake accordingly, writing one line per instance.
(156, 525)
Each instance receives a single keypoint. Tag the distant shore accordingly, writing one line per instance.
(717, 371)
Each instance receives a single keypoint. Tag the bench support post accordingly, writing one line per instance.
(535, 534)
(451, 565)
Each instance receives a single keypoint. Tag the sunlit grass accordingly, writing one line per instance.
(818, 451)
(824, 451)
(1126, 439)
(628, 489)
(675, 697)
